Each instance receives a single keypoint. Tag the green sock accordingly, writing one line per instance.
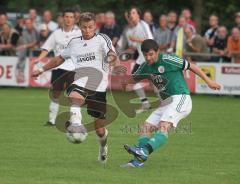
(158, 140)
(143, 140)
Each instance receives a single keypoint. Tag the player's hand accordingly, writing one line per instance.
(190, 44)
(111, 59)
(119, 70)
(35, 61)
(213, 85)
(134, 39)
(37, 72)
(170, 50)
(21, 47)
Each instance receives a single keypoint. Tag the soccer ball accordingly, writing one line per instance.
(76, 133)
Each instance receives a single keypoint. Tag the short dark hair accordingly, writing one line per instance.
(149, 44)
(77, 8)
(147, 11)
(68, 10)
(86, 17)
(136, 8)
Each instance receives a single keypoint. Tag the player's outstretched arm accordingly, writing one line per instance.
(112, 58)
(211, 84)
(42, 55)
(113, 61)
(54, 62)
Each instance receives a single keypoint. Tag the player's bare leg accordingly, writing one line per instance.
(102, 133)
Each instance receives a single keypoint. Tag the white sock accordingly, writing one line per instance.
(156, 91)
(75, 115)
(103, 139)
(140, 92)
(53, 111)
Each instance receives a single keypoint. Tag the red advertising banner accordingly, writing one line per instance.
(10, 75)
(190, 78)
(115, 82)
(226, 74)
(44, 79)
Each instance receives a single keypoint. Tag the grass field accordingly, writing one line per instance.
(205, 150)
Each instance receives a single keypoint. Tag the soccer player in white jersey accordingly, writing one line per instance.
(91, 55)
(61, 75)
(139, 32)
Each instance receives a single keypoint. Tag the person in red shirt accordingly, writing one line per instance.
(233, 45)
(188, 15)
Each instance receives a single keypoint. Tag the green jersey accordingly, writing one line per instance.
(166, 74)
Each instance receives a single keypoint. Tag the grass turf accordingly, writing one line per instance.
(204, 150)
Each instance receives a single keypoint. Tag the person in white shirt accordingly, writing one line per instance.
(47, 19)
(211, 33)
(136, 34)
(32, 14)
(91, 55)
(61, 75)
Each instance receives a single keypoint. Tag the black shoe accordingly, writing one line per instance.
(48, 123)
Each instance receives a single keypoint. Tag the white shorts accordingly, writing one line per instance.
(172, 110)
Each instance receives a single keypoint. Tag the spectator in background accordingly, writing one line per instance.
(60, 20)
(32, 14)
(8, 40)
(30, 39)
(211, 33)
(188, 15)
(47, 19)
(136, 34)
(182, 24)
(110, 28)
(44, 34)
(172, 22)
(77, 14)
(30, 35)
(4, 20)
(163, 35)
(148, 18)
(195, 43)
(126, 18)
(220, 45)
(124, 44)
(100, 21)
(20, 24)
(237, 20)
(233, 45)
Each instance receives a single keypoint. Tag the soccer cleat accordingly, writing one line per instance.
(102, 156)
(48, 123)
(137, 152)
(133, 163)
(146, 106)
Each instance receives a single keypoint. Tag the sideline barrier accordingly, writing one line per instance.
(227, 74)
(8, 72)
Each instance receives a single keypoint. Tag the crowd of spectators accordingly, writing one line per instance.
(217, 43)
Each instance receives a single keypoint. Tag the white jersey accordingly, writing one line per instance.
(58, 41)
(89, 59)
(141, 30)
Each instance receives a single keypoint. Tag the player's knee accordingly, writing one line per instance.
(100, 127)
(100, 132)
(164, 126)
(76, 98)
(146, 129)
(56, 94)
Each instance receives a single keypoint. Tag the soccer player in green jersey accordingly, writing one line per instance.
(165, 71)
